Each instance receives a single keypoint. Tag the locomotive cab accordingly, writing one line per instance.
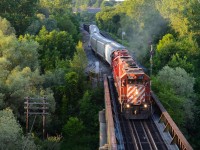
(138, 105)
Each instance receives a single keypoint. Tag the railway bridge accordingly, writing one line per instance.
(116, 133)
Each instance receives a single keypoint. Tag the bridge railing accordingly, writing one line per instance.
(177, 136)
(111, 138)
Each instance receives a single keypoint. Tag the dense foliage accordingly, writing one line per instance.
(83, 4)
(41, 55)
(11, 135)
(19, 13)
(172, 27)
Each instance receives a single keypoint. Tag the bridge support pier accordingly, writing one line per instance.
(103, 131)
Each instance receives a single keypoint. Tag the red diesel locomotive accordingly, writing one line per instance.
(132, 84)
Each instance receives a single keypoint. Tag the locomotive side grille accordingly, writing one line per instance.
(136, 94)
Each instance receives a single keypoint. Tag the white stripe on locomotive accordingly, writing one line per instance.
(136, 98)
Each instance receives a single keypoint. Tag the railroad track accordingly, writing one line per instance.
(144, 141)
(145, 135)
(127, 135)
(135, 134)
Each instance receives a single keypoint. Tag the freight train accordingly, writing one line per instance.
(132, 84)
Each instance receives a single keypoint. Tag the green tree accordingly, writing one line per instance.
(175, 90)
(5, 27)
(193, 18)
(140, 20)
(11, 132)
(52, 142)
(176, 61)
(88, 111)
(56, 6)
(79, 61)
(72, 83)
(180, 80)
(90, 105)
(181, 14)
(106, 19)
(70, 96)
(73, 128)
(55, 46)
(175, 11)
(171, 101)
(49, 22)
(73, 133)
(68, 22)
(176, 52)
(11, 135)
(19, 13)
(20, 76)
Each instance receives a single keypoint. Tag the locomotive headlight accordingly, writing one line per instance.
(128, 105)
(145, 105)
(136, 92)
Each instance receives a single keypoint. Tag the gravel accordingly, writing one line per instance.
(104, 67)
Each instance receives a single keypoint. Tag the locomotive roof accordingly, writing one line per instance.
(134, 71)
(130, 65)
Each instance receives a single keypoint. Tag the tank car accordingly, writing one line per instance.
(132, 84)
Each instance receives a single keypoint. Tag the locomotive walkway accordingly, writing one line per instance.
(158, 133)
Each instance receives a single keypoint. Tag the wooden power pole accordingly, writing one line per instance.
(36, 106)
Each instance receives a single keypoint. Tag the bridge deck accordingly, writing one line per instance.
(170, 131)
(112, 144)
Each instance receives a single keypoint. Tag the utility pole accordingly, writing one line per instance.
(36, 106)
(151, 60)
(43, 117)
(123, 34)
(151, 67)
(27, 108)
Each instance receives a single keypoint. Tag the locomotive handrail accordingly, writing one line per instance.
(177, 136)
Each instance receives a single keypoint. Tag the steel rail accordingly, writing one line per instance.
(135, 137)
(151, 140)
(126, 132)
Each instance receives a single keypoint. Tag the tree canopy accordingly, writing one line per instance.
(18, 10)
(11, 133)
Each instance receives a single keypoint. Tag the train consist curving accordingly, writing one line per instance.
(132, 84)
